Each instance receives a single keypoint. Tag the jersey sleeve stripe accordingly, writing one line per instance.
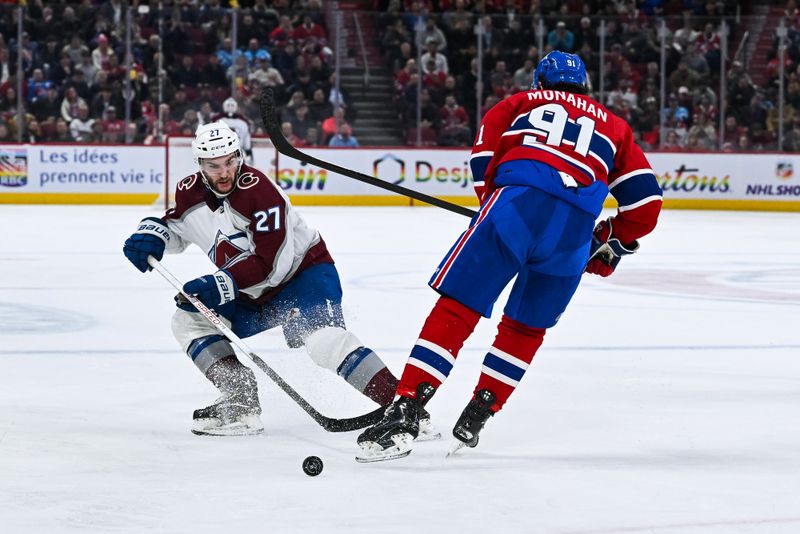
(628, 175)
(642, 202)
(607, 140)
(478, 167)
(599, 160)
(635, 188)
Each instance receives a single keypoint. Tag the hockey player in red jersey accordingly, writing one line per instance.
(543, 162)
(272, 270)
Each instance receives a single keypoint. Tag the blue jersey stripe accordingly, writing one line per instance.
(503, 367)
(478, 166)
(636, 188)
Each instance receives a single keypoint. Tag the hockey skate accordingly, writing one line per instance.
(470, 424)
(427, 432)
(391, 437)
(238, 414)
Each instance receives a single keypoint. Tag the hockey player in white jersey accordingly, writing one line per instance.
(272, 270)
(238, 123)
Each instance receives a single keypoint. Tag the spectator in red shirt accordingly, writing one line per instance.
(330, 124)
(308, 30)
(281, 34)
(113, 128)
(404, 76)
(432, 78)
(288, 133)
(168, 125)
(116, 72)
(455, 124)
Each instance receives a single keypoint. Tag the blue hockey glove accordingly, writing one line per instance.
(217, 291)
(150, 239)
(606, 250)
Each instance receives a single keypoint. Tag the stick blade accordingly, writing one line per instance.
(354, 423)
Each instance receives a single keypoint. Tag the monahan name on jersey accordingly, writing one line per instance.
(575, 135)
(254, 233)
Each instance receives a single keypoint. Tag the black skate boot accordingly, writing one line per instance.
(474, 416)
(237, 412)
(391, 437)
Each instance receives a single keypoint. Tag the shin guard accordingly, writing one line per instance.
(446, 329)
(508, 359)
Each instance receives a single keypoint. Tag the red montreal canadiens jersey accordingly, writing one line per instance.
(254, 233)
(575, 135)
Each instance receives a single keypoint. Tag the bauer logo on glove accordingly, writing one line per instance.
(150, 239)
(217, 291)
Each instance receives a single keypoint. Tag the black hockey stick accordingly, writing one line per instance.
(282, 145)
(328, 423)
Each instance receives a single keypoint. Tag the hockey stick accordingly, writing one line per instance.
(282, 145)
(328, 423)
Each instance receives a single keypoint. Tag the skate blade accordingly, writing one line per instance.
(427, 432)
(372, 452)
(455, 447)
(207, 427)
(429, 436)
(241, 431)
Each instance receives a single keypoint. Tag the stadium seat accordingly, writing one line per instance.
(428, 136)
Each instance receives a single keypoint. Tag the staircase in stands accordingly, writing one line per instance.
(376, 122)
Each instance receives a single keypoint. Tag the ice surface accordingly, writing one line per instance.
(665, 401)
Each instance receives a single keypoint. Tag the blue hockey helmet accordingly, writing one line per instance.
(560, 67)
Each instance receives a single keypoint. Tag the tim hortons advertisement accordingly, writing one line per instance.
(741, 179)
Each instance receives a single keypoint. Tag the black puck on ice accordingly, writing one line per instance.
(312, 466)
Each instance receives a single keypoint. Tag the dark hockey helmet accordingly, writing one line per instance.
(560, 68)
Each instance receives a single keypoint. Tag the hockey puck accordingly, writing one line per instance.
(312, 466)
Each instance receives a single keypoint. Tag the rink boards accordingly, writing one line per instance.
(120, 174)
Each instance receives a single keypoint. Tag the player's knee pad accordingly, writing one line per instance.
(202, 342)
(188, 326)
(330, 345)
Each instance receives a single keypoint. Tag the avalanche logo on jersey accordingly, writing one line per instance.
(228, 250)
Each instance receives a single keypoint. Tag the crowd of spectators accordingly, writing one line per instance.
(76, 87)
(631, 77)
(74, 77)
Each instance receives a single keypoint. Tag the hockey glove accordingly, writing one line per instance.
(606, 250)
(150, 239)
(217, 291)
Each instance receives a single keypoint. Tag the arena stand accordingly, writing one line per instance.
(75, 87)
